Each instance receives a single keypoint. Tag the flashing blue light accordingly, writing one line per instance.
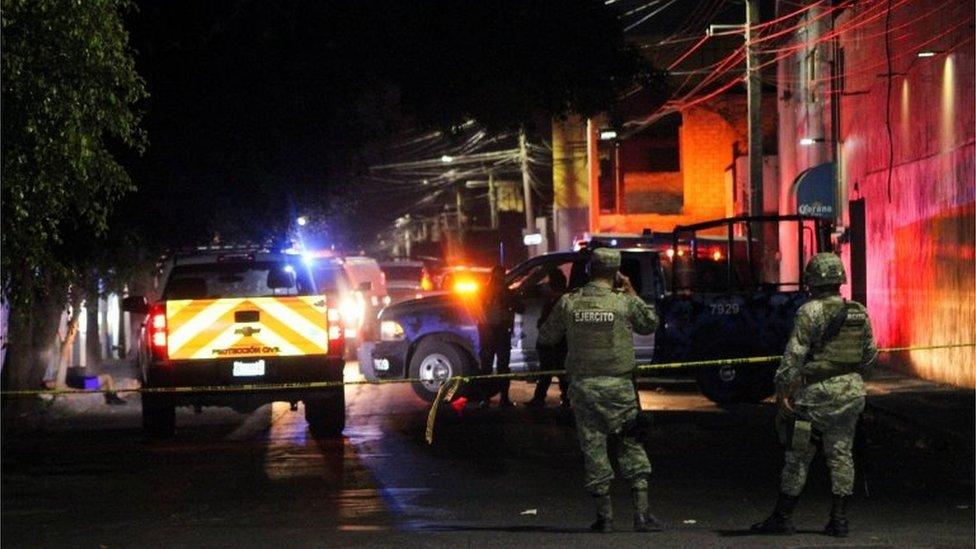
(308, 259)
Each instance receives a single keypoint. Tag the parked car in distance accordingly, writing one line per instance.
(406, 279)
(330, 278)
(369, 282)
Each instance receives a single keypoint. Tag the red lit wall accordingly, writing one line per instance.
(919, 198)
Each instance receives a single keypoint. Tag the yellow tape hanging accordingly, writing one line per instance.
(444, 393)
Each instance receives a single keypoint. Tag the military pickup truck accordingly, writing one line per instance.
(710, 286)
(227, 317)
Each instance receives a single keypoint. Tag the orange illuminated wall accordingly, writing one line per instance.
(706, 140)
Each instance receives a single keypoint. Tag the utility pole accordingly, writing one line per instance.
(526, 184)
(754, 93)
(492, 201)
(460, 214)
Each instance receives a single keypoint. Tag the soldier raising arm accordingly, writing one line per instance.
(598, 322)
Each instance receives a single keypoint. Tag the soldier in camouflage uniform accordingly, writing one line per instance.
(598, 321)
(820, 392)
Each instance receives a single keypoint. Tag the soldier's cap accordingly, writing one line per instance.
(605, 259)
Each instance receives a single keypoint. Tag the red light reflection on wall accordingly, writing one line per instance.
(933, 298)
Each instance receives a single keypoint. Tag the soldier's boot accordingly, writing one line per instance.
(781, 520)
(604, 514)
(644, 521)
(838, 526)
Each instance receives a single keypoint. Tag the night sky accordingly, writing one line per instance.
(259, 109)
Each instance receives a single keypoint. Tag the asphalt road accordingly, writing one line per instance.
(81, 476)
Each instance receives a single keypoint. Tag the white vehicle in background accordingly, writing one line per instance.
(369, 283)
(406, 279)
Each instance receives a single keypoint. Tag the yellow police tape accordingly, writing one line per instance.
(266, 387)
(446, 390)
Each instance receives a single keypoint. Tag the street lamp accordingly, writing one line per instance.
(302, 221)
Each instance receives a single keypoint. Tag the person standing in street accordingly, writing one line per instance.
(551, 357)
(598, 321)
(820, 393)
(499, 306)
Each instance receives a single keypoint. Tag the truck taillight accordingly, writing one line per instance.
(335, 324)
(157, 329)
(336, 336)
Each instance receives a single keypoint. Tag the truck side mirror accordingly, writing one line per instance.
(136, 304)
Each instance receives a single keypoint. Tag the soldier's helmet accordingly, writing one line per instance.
(605, 261)
(824, 269)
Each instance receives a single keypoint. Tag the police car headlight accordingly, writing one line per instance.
(391, 331)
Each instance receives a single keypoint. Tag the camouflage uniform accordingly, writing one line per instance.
(820, 376)
(598, 324)
(830, 393)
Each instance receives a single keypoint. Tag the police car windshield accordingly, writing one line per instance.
(237, 279)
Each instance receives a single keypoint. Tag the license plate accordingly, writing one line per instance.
(381, 364)
(248, 369)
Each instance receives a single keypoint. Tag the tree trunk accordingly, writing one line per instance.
(22, 364)
(93, 342)
(64, 353)
(122, 340)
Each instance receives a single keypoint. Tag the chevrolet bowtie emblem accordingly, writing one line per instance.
(247, 331)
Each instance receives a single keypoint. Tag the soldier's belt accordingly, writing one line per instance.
(810, 379)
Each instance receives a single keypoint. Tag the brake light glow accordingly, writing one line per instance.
(353, 310)
(465, 286)
(335, 325)
(157, 329)
(717, 255)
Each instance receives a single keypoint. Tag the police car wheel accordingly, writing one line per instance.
(731, 384)
(325, 412)
(738, 385)
(158, 416)
(433, 364)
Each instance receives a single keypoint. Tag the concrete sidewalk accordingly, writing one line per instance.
(934, 410)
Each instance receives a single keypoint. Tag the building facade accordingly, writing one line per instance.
(884, 92)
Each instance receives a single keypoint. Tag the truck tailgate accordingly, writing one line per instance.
(205, 329)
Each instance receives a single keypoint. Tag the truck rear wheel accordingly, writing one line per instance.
(433, 364)
(739, 383)
(158, 416)
(325, 412)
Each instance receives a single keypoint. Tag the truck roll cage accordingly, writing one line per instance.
(735, 251)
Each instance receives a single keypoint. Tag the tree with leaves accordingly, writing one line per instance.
(69, 97)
